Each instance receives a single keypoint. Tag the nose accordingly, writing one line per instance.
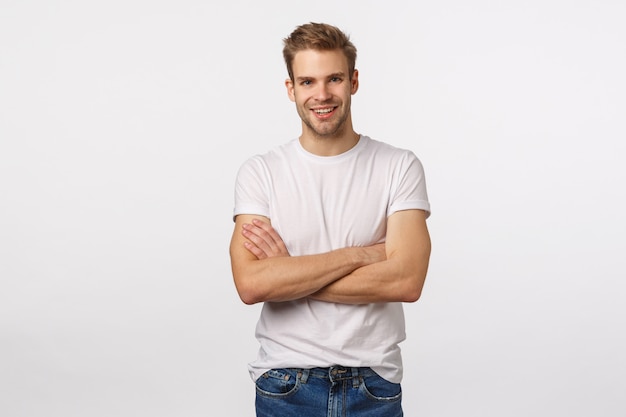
(322, 93)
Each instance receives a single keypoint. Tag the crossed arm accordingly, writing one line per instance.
(263, 270)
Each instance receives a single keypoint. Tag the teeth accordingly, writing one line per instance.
(323, 111)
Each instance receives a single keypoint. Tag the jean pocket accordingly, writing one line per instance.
(377, 388)
(278, 383)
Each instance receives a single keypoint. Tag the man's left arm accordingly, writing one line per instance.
(399, 278)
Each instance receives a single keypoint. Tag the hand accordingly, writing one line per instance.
(263, 241)
(376, 253)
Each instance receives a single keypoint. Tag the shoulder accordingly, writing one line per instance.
(271, 157)
(275, 154)
(386, 150)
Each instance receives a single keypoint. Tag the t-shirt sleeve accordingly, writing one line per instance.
(252, 188)
(409, 188)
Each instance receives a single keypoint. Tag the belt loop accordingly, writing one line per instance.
(356, 378)
(304, 375)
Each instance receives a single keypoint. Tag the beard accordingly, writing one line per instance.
(324, 128)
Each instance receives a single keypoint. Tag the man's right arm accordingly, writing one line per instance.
(285, 278)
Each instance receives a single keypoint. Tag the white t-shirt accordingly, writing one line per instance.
(318, 204)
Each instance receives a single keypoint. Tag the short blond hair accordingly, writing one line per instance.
(320, 37)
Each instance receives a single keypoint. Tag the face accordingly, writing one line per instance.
(322, 91)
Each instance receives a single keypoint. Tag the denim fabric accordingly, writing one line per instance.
(327, 392)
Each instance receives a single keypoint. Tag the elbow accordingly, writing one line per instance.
(414, 281)
(412, 296)
(248, 299)
(248, 292)
(412, 290)
(248, 296)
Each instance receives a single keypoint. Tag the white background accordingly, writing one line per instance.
(123, 123)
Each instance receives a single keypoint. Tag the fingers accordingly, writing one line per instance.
(259, 237)
(263, 240)
(255, 250)
(274, 238)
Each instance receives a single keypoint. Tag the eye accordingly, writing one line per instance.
(306, 82)
(335, 80)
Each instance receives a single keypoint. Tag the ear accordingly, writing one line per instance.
(354, 82)
(290, 89)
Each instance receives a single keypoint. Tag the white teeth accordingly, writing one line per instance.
(323, 111)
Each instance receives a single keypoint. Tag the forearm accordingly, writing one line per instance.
(387, 281)
(390, 272)
(398, 278)
(294, 277)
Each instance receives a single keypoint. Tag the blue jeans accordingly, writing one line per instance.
(327, 392)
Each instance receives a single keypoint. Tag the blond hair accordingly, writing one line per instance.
(320, 37)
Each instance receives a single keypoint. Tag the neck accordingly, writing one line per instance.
(328, 145)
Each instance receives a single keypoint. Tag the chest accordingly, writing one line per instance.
(320, 210)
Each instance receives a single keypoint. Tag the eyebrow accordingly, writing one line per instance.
(333, 75)
(337, 74)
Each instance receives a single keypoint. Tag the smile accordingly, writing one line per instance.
(324, 111)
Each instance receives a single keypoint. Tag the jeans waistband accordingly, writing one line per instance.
(336, 373)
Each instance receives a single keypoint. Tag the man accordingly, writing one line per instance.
(330, 234)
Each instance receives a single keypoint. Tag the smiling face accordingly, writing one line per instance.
(322, 90)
